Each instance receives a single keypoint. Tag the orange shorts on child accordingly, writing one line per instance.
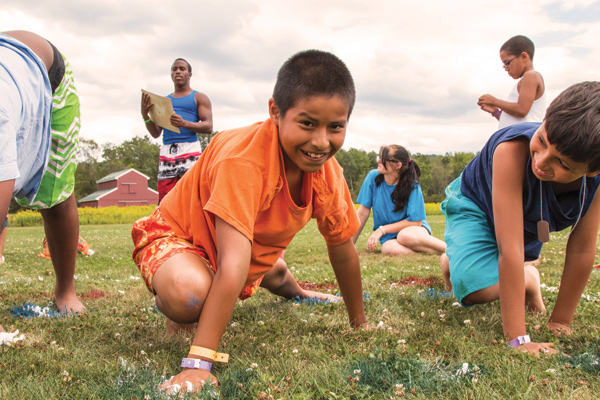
(155, 242)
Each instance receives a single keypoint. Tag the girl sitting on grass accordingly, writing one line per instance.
(394, 193)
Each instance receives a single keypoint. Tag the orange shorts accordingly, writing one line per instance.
(155, 242)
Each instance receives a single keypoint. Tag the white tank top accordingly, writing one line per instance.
(536, 113)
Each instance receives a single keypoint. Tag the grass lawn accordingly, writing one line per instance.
(282, 349)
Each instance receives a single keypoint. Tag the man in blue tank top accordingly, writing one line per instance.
(192, 115)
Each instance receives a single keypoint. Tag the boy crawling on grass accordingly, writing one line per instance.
(219, 233)
(531, 178)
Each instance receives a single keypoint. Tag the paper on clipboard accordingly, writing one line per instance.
(161, 111)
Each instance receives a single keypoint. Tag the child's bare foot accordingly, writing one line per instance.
(68, 303)
(533, 292)
(559, 329)
(445, 266)
(173, 328)
(534, 263)
(321, 296)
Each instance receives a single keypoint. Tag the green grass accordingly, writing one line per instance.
(279, 348)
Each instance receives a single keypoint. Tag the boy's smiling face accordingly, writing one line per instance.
(548, 164)
(311, 131)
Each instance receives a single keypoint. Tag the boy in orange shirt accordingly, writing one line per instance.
(219, 233)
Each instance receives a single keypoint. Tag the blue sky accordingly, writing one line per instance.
(419, 67)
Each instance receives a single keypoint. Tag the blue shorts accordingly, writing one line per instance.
(470, 244)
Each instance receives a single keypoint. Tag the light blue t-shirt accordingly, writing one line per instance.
(25, 111)
(379, 198)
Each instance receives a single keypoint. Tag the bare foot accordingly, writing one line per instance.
(321, 296)
(534, 263)
(559, 329)
(533, 292)
(173, 328)
(445, 266)
(68, 303)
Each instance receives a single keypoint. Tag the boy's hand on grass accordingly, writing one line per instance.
(180, 383)
(537, 348)
(559, 329)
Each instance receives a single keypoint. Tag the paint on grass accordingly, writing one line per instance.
(93, 294)
(416, 281)
(319, 287)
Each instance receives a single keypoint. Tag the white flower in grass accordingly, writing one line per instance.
(233, 324)
(356, 371)
(295, 351)
(456, 304)
(402, 341)
(380, 324)
(261, 323)
(467, 321)
(254, 365)
(551, 370)
(142, 352)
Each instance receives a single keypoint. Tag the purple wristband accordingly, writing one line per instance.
(497, 113)
(519, 340)
(196, 363)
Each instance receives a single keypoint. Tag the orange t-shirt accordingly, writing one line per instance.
(240, 178)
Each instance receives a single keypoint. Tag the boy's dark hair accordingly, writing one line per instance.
(312, 73)
(517, 45)
(410, 174)
(573, 123)
(185, 61)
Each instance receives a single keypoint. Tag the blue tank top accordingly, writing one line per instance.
(188, 110)
(560, 211)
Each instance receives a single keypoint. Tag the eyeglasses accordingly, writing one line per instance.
(506, 64)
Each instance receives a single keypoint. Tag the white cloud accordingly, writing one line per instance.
(419, 67)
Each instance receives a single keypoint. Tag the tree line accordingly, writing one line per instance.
(96, 161)
(437, 171)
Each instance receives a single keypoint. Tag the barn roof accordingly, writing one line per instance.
(97, 195)
(116, 175)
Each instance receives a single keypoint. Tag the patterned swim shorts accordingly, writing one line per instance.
(155, 242)
(58, 181)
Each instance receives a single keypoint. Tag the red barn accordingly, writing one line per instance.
(122, 188)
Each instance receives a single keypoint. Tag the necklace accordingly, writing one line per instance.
(543, 229)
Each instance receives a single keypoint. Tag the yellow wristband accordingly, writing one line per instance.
(208, 353)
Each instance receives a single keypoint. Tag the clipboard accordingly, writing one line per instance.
(161, 111)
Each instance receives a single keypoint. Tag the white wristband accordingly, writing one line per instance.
(382, 230)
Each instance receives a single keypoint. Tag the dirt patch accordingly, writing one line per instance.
(317, 286)
(416, 281)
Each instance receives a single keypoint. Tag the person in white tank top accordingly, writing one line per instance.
(527, 101)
